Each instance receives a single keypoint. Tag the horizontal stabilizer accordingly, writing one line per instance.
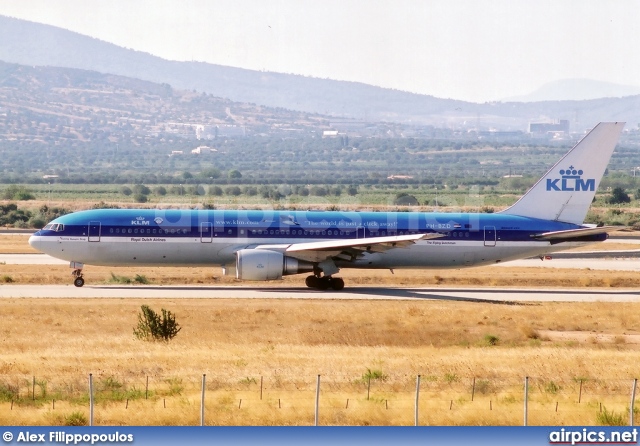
(572, 234)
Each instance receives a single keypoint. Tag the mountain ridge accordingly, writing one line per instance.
(34, 44)
(576, 90)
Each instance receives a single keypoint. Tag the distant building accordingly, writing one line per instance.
(400, 177)
(330, 134)
(544, 128)
(203, 149)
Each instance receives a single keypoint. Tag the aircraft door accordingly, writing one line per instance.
(360, 232)
(206, 232)
(95, 228)
(489, 236)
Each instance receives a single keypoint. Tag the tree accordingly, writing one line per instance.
(404, 199)
(618, 196)
(160, 190)
(140, 198)
(141, 189)
(234, 174)
(126, 190)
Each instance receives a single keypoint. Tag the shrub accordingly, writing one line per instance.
(152, 326)
(75, 419)
(140, 198)
(15, 192)
(606, 418)
(372, 375)
(491, 340)
(404, 199)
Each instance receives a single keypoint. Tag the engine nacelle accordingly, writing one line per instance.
(262, 264)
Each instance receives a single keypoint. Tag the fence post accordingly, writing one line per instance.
(261, 380)
(90, 399)
(633, 398)
(580, 394)
(473, 388)
(526, 399)
(204, 377)
(317, 399)
(417, 399)
(33, 388)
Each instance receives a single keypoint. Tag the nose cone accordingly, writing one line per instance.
(34, 241)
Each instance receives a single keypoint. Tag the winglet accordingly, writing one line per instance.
(566, 191)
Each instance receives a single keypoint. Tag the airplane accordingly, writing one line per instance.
(266, 244)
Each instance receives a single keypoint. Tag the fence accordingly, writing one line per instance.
(370, 399)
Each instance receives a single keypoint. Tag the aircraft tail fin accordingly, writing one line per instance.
(566, 191)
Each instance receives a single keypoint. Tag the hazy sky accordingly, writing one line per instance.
(477, 50)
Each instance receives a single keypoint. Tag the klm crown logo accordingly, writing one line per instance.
(570, 181)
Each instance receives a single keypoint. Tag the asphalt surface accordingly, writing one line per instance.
(607, 260)
(489, 295)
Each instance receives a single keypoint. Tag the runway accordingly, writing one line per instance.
(612, 261)
(504, 296)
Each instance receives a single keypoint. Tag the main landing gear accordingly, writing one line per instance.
(78, 280)
(325, 282)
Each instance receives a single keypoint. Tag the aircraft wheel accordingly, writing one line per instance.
(323, 283)
(78, 281)
(311, 281)
(337, 284)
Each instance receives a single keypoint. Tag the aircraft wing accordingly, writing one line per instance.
(573, 234)
(348, 249)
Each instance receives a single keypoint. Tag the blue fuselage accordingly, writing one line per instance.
(211, 237)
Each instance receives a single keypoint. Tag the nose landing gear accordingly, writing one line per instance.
(78, 280)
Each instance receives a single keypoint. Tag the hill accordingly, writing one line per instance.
(35, 44)
(576, 90)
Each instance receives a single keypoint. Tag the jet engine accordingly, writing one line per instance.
(262, 264)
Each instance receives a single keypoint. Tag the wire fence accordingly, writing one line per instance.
(370, 399)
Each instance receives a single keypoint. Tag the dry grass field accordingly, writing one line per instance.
(262, 357)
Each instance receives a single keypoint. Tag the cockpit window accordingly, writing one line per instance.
(57, 227)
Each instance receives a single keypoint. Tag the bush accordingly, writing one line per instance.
(140, 198)
(610, 418)
(152, 326)
(20, 193)
(491, 340)
(75, 419)
(404, 199)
